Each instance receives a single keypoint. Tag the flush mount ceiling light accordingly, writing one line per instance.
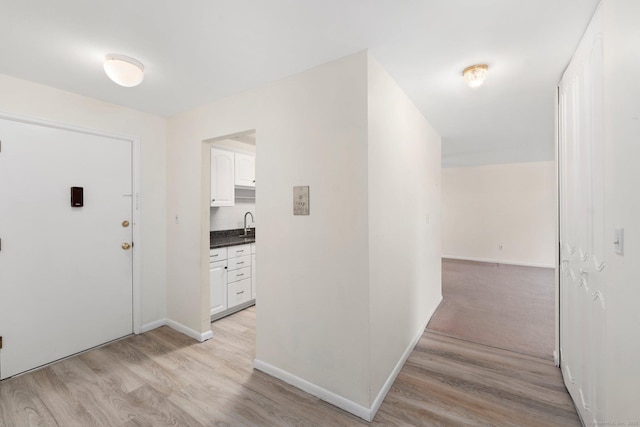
(123, 70)
(475, 74)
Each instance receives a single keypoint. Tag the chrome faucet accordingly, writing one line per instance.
(246, 230)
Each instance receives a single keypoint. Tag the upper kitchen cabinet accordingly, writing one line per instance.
(245, 170)
(222, 178)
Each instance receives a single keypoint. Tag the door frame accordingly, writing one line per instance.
(135, 202)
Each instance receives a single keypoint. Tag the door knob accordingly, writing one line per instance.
(126, 246)
(125, 223)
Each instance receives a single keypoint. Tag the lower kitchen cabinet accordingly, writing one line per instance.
(231, 279)
(218, 283)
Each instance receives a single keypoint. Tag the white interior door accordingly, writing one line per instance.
(65, 279)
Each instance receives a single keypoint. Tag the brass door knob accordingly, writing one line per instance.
(125, 223)
(126, 246)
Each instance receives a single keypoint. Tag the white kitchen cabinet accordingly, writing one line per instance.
(222, 177)
(253, 271)
(218, 280)
(245, 170)
(231, 279)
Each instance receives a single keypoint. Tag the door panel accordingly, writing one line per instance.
(65, 281)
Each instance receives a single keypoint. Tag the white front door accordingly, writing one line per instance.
(65, 279)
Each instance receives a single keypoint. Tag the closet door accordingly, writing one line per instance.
(582, 281)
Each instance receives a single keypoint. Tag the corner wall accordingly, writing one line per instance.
(312, 270)
(315, 316)
(404, 227)
(513, 205)
(21, 97)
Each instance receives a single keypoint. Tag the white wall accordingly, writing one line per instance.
(311, 130)
(404, 225)
(622, 206)
(312, 270)
(24, 98)
(509, 204)
(314, 324)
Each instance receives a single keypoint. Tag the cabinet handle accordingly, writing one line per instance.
(214, 255)
(240, 274)
(240, 262)
(239, 293)
(240, 251)
(213, 200)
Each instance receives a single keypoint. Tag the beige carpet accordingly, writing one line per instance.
(504, 306)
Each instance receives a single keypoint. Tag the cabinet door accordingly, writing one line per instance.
(245, 170)
(222, 178)
(218, 285)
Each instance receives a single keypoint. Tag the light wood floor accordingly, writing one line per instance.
(504, 306)
(165, 378)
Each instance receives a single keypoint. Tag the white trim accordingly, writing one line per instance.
(137, 242)
(499, 261)
(136, 272)
(201, 337)
(315, 390)
(556, 358)
(151, 325)
(394, 374)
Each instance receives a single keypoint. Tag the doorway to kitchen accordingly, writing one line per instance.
(232, 223)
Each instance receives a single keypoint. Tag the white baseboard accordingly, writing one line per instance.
(356, 409)
(556, 358)
(152, 325)
(315, 390)
(201, 337)
(394, 374)
(499, 261)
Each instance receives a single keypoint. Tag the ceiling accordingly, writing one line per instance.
(198, 51)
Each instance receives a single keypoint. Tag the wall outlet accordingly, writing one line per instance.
(500, 246)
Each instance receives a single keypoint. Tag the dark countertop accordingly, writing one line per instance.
(220, 239)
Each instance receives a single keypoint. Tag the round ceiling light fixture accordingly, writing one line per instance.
(123, 70)
(475, 74)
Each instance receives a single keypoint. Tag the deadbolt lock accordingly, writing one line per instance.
(126, 246)
(125, 223)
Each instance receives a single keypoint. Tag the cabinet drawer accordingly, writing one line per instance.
(241, 262)
(240, 250)
(217, 254)
(240, 274)
(238, 293)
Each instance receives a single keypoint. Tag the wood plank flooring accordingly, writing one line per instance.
(163, 378)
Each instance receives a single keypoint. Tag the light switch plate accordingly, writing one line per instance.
(618, 240)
